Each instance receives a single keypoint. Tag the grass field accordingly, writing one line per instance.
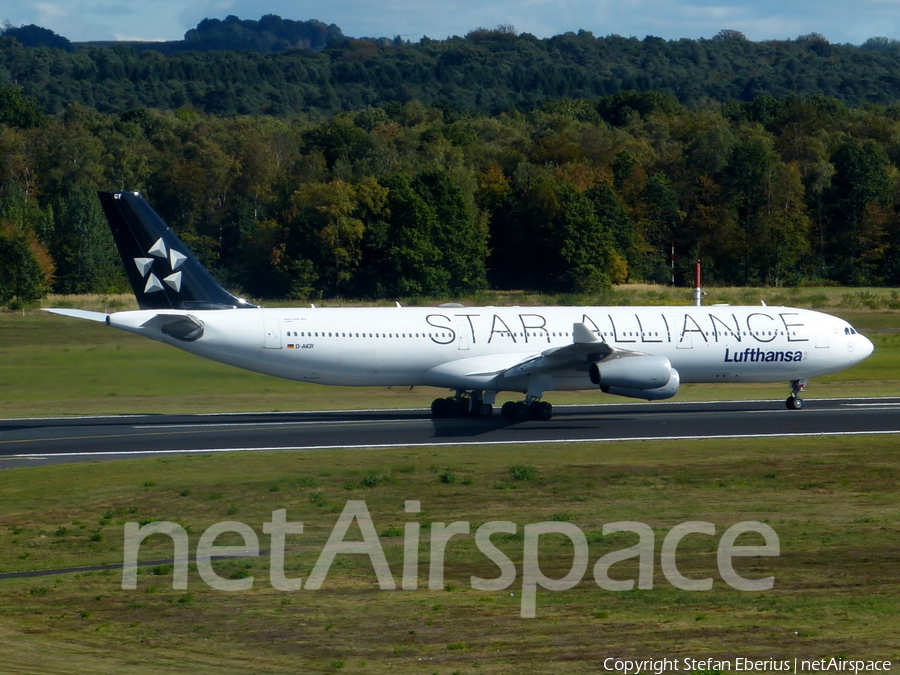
(833, 503)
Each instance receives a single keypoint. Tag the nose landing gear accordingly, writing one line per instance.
(794, 402)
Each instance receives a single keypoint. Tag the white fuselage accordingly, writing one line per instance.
(475, 348)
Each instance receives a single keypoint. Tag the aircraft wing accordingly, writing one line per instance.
(493, 371)
(587, 348)
(185, 327)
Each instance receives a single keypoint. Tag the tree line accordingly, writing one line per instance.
(417, 200)
(270, 34)
(261, 67)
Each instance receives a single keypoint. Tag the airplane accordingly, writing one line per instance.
(641, 352)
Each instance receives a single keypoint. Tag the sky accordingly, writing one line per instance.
(840, 21)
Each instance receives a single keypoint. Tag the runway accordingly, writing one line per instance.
(34, 442)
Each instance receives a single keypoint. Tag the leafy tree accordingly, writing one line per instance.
(782, 231)
(613, 219)
(861, 181)
(339, 139)
(522, 243)
(271, 264)
(271, 33)
(18, 110)
(402, 257)
(747, 176)
(460, 236)
(589, 262)
(711, 233)
(493, 188)
(619, 108)
(329, 210)
(662, 226)
(35, 36)
(82, 245)
(25, 269)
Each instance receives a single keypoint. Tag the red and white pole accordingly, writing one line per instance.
(698, 289)
(672, 263)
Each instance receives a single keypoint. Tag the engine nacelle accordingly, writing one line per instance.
(658, 394)
(632, 372)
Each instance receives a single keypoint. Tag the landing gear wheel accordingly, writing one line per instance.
(460, 406)
(794, 403)
(444, 408)
(441, 408)
(520, 412)
(541, 410)
(508, 411)
(484, 410)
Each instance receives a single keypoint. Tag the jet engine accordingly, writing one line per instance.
(649, 377)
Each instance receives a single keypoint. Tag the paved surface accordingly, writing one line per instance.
(30, 442)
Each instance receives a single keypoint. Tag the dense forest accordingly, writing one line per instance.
(300, 163)
(270, 34)
(409, 199)
(266, 70)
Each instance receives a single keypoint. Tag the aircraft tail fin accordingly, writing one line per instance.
(161, 270)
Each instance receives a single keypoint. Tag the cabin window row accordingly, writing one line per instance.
(371, 335)
(541, 334)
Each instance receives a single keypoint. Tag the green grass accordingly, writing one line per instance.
(832, 501)
(52, 365)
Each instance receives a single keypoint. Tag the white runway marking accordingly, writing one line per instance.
(238, 425)
(452, 444)
(873, 406)
(659, 404)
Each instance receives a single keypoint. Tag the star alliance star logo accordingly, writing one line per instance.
(145, 266)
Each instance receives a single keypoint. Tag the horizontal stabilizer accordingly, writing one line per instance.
(78, 314)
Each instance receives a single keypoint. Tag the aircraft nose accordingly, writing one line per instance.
(864, 347)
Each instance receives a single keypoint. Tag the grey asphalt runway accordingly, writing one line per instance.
(35, 442)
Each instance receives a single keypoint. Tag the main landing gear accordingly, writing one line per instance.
(794, 402)
(464, 404)
(480, 404)
(519, 411)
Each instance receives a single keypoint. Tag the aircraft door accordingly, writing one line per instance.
(822, 337)
(462, 327)
(684, 338)
(272, 330)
